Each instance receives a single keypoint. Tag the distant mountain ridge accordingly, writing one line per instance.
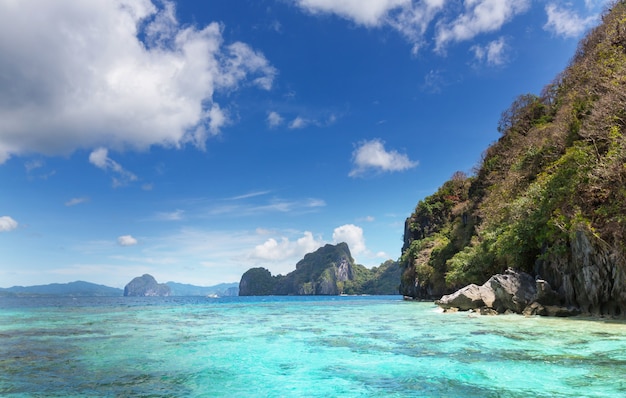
(72, 289)
(88, 289)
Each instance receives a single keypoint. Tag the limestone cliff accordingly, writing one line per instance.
(146, 285)
(330, 270)
(548, 197)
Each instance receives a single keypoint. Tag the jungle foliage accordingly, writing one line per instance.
(559, 166)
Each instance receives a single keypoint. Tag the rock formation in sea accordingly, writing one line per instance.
(547, 198)
(146, 285)
(330, 270)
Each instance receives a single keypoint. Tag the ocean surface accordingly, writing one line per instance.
(298, 347)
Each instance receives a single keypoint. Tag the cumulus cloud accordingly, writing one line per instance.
(278, 250)
(100, 158)
(126, 240)
(566, 23)
(372, 156)
(353, 236)
(410, 18)
(7, 224)
(274, 119)
(492, 54)
(114, 73)
(480, 16)
(413, 18)
(364, 12)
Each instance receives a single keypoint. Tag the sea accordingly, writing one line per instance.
(365, 346)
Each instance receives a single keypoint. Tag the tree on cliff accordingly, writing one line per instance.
(257, 282)
(330, 270)
(548, 197)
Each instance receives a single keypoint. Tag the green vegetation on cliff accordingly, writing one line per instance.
(330, 270)
(548, 198)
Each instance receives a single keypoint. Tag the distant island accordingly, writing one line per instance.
(146, 286)
(72, 289)
(330, 270)
(87, 289)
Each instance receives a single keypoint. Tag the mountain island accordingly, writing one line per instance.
(330, 270)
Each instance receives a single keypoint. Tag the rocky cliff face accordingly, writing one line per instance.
(330, 270)
(591, 275)
(319, 273)
(257, 282)
(548, 198)
(146, 285)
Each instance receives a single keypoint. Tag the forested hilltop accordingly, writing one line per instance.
(330, 270)
(548, 198)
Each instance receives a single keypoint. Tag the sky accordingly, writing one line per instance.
(193, 140)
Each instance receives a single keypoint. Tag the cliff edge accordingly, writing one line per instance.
(547, 199)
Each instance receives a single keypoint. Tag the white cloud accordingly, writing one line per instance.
(250, 195)
(414, 19)
(82, 70)
(364, 12)
(76, 201)
(239, 206)
(493, 54)
(126, 240)
(353, 236)
(566, 23)
(480, 16)
(371, 155)
(433, 82)
(298, 123)
(33, 165)
(283, 249)
(100, 158)
(175, 215)
(408, 17)
(274, 119)
(7, 224)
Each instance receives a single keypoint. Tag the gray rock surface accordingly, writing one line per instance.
(146, 285)
(468, 298)
(590, 276)
(513, 291)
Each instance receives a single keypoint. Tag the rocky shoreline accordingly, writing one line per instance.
(511, 292)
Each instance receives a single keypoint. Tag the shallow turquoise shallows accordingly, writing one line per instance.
(298, 347)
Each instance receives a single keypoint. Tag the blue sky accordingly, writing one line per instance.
(193, 140)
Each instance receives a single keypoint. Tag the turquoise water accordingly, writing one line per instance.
(298, 347)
